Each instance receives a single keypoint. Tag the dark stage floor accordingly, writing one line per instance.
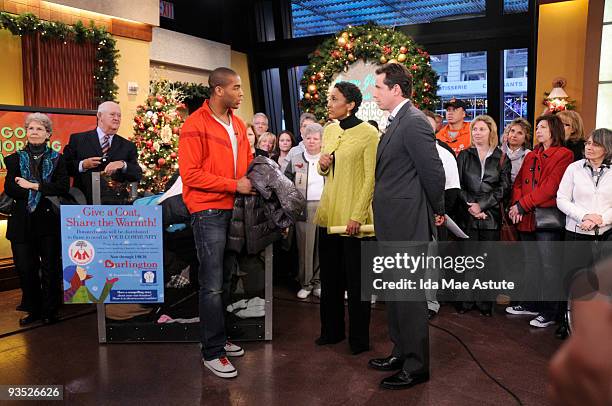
(290, 370)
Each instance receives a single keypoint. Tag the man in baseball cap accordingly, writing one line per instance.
(456, 133)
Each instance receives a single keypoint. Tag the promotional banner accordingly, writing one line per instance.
(13, 132)
(112, 254)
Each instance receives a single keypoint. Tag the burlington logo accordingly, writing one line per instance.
(127, 264)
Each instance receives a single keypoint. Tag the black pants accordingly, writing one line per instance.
(38, 262)
(547, 263)
(340, 262)
(478, 235)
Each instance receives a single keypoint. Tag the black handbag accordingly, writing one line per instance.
(73, 197)
(549, 218)
(6, 205)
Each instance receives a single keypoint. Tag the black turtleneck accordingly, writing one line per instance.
(350, 122)
(36, 149)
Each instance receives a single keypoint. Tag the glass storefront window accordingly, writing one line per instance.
(463, 76)
(515, 85)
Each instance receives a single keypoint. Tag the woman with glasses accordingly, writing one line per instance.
(585, 192)
(33, 174)
(585, 197)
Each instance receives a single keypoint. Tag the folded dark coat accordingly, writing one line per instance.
(259, 219)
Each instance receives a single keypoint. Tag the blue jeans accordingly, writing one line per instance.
(210, 228)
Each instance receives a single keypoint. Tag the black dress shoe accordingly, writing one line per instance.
(431, 314)
(403, 380)
(562, 333)
(50, 319)
(325, 341)
(487, 312)
(29, 319)
(390, 363)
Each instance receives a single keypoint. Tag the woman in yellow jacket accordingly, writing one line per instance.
(348, 161)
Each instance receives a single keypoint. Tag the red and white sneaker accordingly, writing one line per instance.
(221, 367)
(233, 350)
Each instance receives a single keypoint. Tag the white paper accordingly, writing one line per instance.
(454, 228)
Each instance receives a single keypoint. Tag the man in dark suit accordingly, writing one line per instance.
(102, 150)
(408, 204)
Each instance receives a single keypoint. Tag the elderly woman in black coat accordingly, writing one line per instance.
(33, 174)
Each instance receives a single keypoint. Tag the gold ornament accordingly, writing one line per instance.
(344, 35)
(342, 41)
(312, 88)
(307, 96)
(393, 60)
(383, 59)
(403, 50)
(351, 57)
(401, 57)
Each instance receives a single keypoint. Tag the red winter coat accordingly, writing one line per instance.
(544, 169)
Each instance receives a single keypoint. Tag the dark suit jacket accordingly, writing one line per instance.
(86, 145)
(23, 226)
(409, 181)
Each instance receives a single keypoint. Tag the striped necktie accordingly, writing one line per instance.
(389, 120)
(105, 144)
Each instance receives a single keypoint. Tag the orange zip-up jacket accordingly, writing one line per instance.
(459, 143)
(206, 160)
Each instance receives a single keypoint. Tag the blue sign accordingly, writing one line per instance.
(112, 254)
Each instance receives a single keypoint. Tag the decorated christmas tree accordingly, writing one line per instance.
(156, 128)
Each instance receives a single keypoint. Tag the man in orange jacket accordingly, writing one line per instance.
(214, 154)
(456, 134)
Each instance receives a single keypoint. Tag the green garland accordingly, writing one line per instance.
(369, 42)
(106, 53)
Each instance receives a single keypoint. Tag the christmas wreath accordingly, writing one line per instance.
(369, 42)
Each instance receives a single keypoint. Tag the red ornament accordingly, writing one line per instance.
(387, 50)
(403, 50)
(313, 78)
(173, 155)
(414, 67)
(175, 130)
(335, 54)
(149, 144)
(161, 162)
(160, 99)
(320, 75)
(316, 96)
(426, 100)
